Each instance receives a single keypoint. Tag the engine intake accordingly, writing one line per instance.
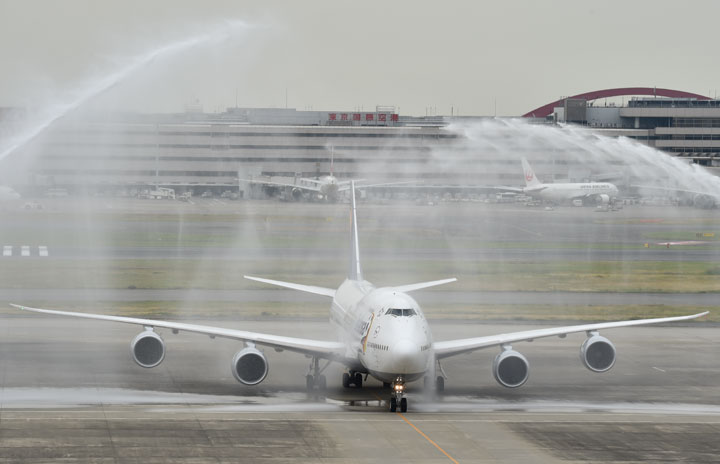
(148, 349)
(597, 353)
(249, 366)
(511, 369)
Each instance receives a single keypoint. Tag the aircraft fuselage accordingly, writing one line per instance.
(570, 191)
(385, 330)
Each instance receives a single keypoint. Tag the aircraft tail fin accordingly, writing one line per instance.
(530, 178)
(355, 271)
(303, 288)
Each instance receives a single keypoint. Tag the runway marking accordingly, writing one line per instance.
(25, 250)
(427, 438)
(658, 369)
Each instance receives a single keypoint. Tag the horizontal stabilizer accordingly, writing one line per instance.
(413, 287)
(303, 288)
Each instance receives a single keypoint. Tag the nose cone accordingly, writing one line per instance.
(407, 357)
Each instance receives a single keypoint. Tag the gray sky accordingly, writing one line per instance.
(342, 55)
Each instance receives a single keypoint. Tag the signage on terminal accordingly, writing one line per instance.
(369, 117)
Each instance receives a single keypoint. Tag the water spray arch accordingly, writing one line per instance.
(547, 109)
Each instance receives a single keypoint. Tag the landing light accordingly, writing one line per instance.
(399, 387)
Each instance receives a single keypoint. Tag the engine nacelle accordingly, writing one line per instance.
(249, 366)
(511, 369)
(703, 201)
(147, 349)
(296, 193)
(603, 199)
(597, 353)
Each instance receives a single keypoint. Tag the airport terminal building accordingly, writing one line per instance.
(198, 152)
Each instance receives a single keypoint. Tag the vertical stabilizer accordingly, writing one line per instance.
(530, 178)
(355, 272)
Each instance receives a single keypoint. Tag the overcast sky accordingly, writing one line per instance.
(471, 56)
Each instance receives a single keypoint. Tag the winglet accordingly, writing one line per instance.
(355, 272)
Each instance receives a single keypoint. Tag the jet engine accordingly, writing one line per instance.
(603, 199)
(511, 369)
(597, 353)
(249, 366)
(703, 201)
(296, 194)
(147, 349)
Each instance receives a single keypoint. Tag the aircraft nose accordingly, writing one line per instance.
(407, 357)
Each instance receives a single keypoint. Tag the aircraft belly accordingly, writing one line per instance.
(390, 377)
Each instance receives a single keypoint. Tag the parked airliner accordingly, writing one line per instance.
(601, 193)
(382, 332)
(322, 188)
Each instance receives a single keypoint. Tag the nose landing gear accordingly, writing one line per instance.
(397, 398)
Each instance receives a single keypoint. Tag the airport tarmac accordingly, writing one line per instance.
(71, 393)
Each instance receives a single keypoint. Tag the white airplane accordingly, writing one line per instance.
(323, 188)
(382, 332)
(601, 192)
(326, 188)
(8, 194)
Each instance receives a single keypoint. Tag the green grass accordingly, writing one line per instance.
(613, 276)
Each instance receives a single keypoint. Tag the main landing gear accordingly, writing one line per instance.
(314, 380)
(352, 378)
(397, 397)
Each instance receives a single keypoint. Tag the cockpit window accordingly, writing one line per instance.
(401, 312)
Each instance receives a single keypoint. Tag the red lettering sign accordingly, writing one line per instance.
(332, 116)
(382, 117)
(343, 117)
(356, 117)
(393, 117)
(369, 116)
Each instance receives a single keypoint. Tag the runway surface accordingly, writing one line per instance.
(71, 392)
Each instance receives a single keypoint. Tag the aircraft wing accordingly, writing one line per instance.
(503, 188)
(358, 186)
(320, 348)
(466, 345)
(313, 187)
(676, 190)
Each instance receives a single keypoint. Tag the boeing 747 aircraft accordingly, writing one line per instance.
(382, 332)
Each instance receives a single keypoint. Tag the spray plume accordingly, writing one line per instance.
(226, 31)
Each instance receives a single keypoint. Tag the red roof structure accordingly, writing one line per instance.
(547, 110)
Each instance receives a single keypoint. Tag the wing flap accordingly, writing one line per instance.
(455, 347)
(311, 188)
(325, 349)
